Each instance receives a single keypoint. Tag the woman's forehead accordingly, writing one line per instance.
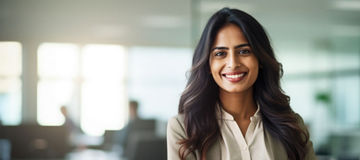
(229, 35)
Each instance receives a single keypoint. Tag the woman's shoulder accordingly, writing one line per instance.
(301, 122)
(310, 154)
(175, 134)
(176, 125)
(179, 117)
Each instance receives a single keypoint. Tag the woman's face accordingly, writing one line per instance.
(233, 65)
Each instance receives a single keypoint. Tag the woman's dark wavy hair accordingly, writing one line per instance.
(198, 102)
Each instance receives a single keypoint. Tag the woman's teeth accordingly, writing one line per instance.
(235, 75)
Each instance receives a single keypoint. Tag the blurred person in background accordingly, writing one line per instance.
(133, 110)
(122, 137)
(69, 123)
(73, 130)
(233, 106)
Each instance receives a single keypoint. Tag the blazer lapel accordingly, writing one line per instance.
(274, 147)
(214, 153)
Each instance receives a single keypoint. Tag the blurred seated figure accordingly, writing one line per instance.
(135, 126)
(69, 123)
(123, 134)
(74, 132)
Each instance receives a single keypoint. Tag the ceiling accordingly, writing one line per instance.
(171, 22)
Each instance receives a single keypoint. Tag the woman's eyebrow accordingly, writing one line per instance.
(242, 45)
(226, 48)
(219, 48)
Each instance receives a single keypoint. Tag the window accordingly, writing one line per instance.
(103, 90)
(58, 70)
(89, 81)
(10, 83)
(157, 77)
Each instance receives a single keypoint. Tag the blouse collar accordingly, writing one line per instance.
(227, 116)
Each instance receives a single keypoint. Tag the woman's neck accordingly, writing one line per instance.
(239, 105)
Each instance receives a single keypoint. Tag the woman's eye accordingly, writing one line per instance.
(220, 53)
(244, 51)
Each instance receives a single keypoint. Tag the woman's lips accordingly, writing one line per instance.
(234, 77)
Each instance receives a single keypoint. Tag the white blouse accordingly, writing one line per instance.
(251, 147)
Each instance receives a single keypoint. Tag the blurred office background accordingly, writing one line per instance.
(93, 56)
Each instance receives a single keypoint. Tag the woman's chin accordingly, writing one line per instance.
(237, 90)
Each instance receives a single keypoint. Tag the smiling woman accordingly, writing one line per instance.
(233, 66)
(233, 106)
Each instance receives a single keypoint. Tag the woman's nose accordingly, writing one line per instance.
(233, 61)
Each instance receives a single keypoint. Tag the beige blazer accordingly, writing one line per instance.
(176, 132)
